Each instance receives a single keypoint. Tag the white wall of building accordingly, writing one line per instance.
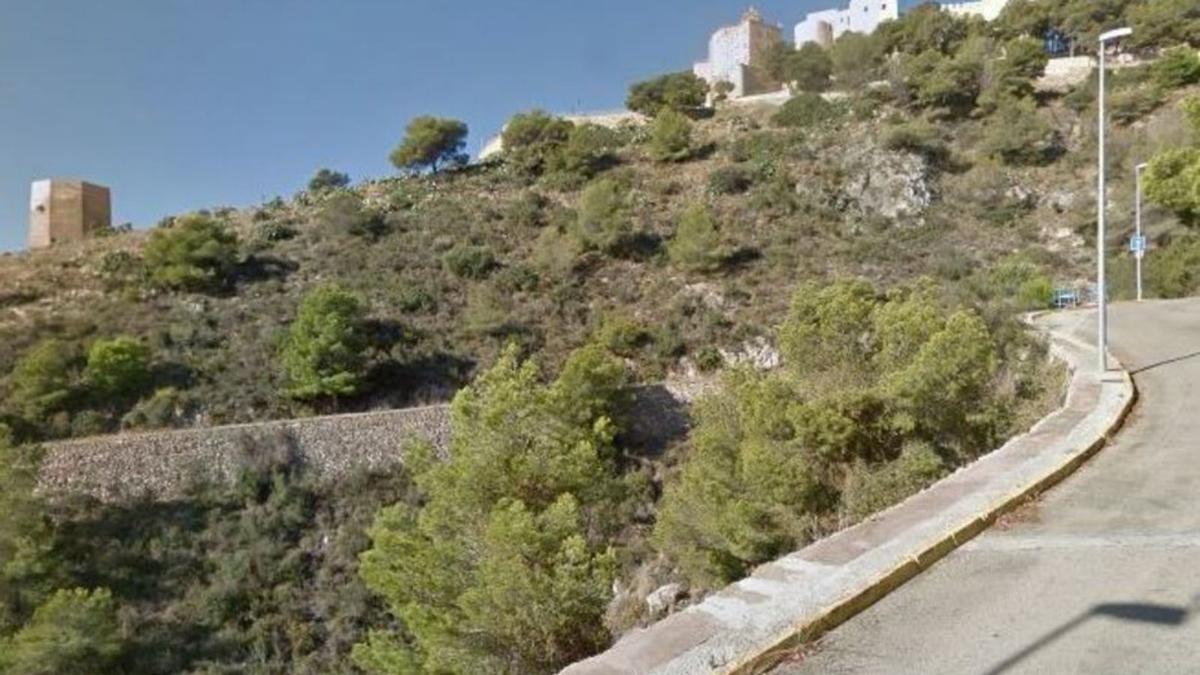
(988, 9)
(862, 16)
(728, 51)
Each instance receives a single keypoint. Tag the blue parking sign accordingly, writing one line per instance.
(1137, 244)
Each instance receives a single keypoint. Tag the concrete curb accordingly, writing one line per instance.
(749, 626)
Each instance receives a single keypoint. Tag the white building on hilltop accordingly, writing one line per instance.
(988, 9)
(737, 55)
(862, 16)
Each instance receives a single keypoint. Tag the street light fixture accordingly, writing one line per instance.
(1137, 201)
(1101, 202)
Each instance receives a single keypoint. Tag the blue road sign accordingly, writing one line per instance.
(1137, 244)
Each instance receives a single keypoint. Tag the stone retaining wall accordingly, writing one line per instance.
(161, 464)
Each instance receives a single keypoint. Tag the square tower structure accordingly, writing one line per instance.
(66, 210)
(738, 54)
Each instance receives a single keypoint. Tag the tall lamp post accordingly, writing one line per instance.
(1101, 202)
(1137, 208)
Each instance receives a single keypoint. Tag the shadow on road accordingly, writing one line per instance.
(1162, 615)
(1165, 362)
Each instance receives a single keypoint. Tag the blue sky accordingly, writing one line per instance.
(184, 104)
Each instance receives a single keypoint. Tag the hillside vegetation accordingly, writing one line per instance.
(845, 272)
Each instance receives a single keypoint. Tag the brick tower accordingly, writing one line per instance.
(66, 210)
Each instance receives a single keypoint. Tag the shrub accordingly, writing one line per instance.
(166, 408)
(323, 353)
(806, 68)
(1126, 106)
(508, 565)
(527, 210)
(121, 269)
(676, 91)
(554, 252)
(697, 241)
(532, 141)
(1173, 181)
(855, 58)
(488, 311)
(671, 137)
(410, 298)
(1165, 22)
(603, 219)
(75, 631)
(588, 150)
(194, 254)
(1177, 67)
(117, 369)
(804, 110)
(430, 143)
(1176, 269)
(470, 262)
(42, 380)
(621, 334)
(327, 179)
(1017, 135)
(870, 490)
(918, 137)
(729, 180)
(345, 212)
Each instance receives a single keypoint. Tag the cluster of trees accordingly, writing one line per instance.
(507, 563)
(1155, 23)
(879, 394)
(58, 389)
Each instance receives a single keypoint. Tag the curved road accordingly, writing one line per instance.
(1102, 575)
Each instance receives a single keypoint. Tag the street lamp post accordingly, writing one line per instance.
(1101, 202)
(1137, 207)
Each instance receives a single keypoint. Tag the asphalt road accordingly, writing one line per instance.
(1101, 575)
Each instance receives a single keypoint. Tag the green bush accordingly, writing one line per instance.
(1173, 181)
(676, 91)
(1017, 135)
(345, 212)
(918, 137)
(730, 180)
(431, 143)
(527, 211)
(195, 253)
(1175, 271)
(671, 137)
(807, 68)
(327, 179)
(871, 490)
(804, 110)
(1177, 67)
(323, 354)
(877, 387)
(1161, 23)
(697, 241)
(603, 220)
(1128, 105)
(508, 565)
(468, 261)
(42, 382)
(533, 140)
(75, 631)
(855, 58)
(118, 369)
(587, 151)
